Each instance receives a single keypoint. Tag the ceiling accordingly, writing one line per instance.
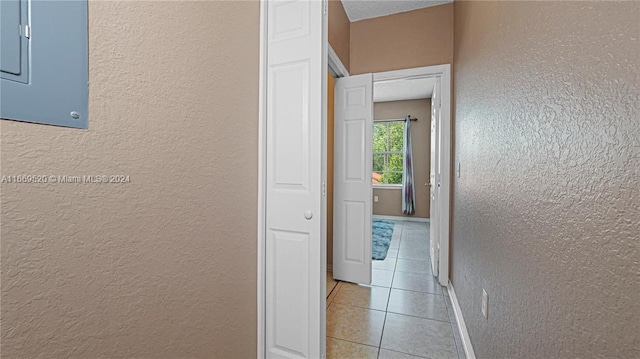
(366, 9)
(398, 90)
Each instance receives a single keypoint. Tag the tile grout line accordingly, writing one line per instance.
(382, 333)
(358, 307)
(351, 341)
(397, 351)
(417, 317)
(408, 290)
(335, 287)
(384, 323)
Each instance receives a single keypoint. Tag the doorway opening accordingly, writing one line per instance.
(292, 247)
(380, 174)
(406, 269)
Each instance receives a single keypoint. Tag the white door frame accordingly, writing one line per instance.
(262, 182)
(336, 67)
(444, 72)
(439, 70)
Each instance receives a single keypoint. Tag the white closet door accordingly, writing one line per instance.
(296, 72)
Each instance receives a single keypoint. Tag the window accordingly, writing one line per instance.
(388, 142)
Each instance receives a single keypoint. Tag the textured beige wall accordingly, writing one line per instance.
(390, 200)
(163, 267)
(339, 31)
(547, 209)
(411, 39)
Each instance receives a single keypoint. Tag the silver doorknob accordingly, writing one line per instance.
(308, 214)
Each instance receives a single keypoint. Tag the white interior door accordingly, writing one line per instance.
(295, 81)
(353, 164)
(434, 180)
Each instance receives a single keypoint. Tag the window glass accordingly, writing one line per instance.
(388, 141)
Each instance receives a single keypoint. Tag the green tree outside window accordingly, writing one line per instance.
(388, 141)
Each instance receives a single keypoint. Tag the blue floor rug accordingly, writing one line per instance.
(382, 232)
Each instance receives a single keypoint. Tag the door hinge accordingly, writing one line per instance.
(324, 6)
(27, 31)
(324, 189)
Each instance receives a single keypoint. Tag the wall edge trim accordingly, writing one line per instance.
(261, 234)
(336, 67)
(462, 327)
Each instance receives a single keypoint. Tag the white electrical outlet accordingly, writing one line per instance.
(485, 304)
(375, 198)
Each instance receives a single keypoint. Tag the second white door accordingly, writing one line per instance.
(434, 181)
(352, 179)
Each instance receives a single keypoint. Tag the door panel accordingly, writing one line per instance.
(352, 179)
(10, 35)
(14, 43)
(330, 146)
(294, 247)
(434, 181)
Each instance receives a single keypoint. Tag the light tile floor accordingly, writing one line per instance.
(404, 314)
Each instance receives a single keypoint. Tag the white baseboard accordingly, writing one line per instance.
(464, 334)
(401, 218)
